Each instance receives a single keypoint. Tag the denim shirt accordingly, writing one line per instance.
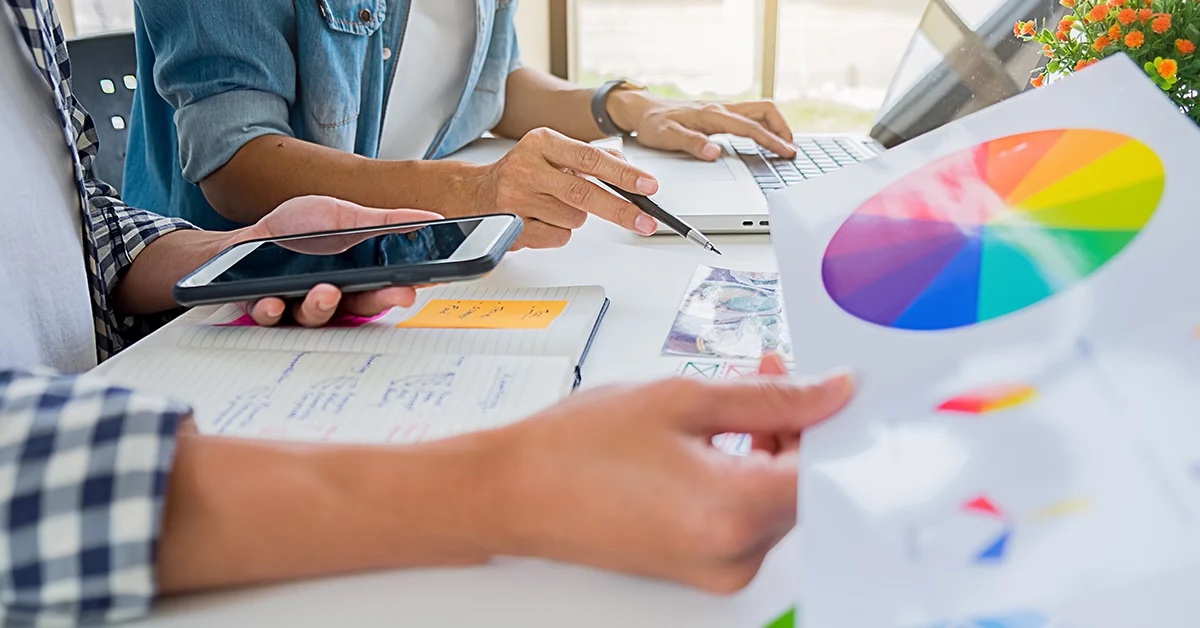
(228, 71)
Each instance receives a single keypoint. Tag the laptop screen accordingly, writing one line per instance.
(963, 58)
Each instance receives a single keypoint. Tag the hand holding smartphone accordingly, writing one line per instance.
(354, 260)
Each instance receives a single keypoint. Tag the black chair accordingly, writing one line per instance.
(104, 77)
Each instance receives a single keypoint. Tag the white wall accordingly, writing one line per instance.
(533, 28)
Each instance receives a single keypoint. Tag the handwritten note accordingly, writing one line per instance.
(479, 314)
(350, 398)
(567, 336)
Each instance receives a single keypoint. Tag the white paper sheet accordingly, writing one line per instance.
(916, 514)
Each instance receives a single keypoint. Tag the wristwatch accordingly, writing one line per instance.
(600, 105)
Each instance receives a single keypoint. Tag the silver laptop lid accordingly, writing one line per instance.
(963, 58)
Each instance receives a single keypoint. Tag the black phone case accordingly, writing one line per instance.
(356, 280)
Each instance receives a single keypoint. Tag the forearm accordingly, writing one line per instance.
(146, 287)
(536, 99)
(272, 169)
(241, 512)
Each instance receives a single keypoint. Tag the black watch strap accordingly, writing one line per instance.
(600, 107)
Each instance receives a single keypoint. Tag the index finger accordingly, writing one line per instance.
(758, 405)
(767, 113)
(726, 122)
(772, 365)
(589, 160)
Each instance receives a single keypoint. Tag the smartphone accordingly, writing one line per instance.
(354, 260)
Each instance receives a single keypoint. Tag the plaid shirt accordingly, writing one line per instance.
(83, 465)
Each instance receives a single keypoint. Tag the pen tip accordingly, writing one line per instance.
(717, 252)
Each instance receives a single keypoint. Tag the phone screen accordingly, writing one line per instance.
(423, 243)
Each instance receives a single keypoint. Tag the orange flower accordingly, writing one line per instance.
(1161, 24)
(1047, 51)
(1184, 46)
(1085, 63)
(1038, 80)
(1116, 4)
(1024, 28)
(1115, 33)
(1062, 36)
(1070, 4)
(1127, 16)
(1167, 68)
(1101, 43)
(1145, 14)
(1098, 12)
(1135, 39)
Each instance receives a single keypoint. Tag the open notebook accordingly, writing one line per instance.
(463, 358)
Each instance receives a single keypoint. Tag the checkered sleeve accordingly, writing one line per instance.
(83, 476)
(119, 233)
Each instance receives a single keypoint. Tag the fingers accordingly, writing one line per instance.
(672, 135)
(760, 405)
(268, 312)
(757, 509)
(324, 301)
(586, 196)
(377, 301)
(318, 306)
(772, 365)
(597, 162)
(767, 113)
(308, 214)
(549, 209)
(720, 120)
(358, 216)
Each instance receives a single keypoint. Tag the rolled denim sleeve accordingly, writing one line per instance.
(83, 477)
(228, 67)
(514, 53)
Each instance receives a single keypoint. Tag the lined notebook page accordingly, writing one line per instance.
(348, 398)
(567, 335)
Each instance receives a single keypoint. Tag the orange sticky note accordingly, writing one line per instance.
(473, 314)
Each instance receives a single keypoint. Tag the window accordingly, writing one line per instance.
(833, 58)
(837, 57)
(692, 48)
(93, 17)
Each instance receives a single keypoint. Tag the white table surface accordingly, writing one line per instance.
(646, 279)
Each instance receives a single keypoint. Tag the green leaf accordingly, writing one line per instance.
(786, 620)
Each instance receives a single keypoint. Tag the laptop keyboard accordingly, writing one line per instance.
(815, 157)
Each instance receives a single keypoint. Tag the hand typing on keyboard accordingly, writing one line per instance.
(686, 126)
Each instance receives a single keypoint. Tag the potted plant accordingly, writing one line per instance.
(1160, 35)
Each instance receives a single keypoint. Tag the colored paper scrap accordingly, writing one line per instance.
(478, 314)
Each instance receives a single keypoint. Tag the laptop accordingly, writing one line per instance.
(962, 58)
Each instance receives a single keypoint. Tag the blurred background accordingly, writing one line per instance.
(828, 62)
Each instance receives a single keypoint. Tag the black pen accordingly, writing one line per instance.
(654, 211)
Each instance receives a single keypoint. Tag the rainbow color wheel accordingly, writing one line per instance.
(993, 229)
